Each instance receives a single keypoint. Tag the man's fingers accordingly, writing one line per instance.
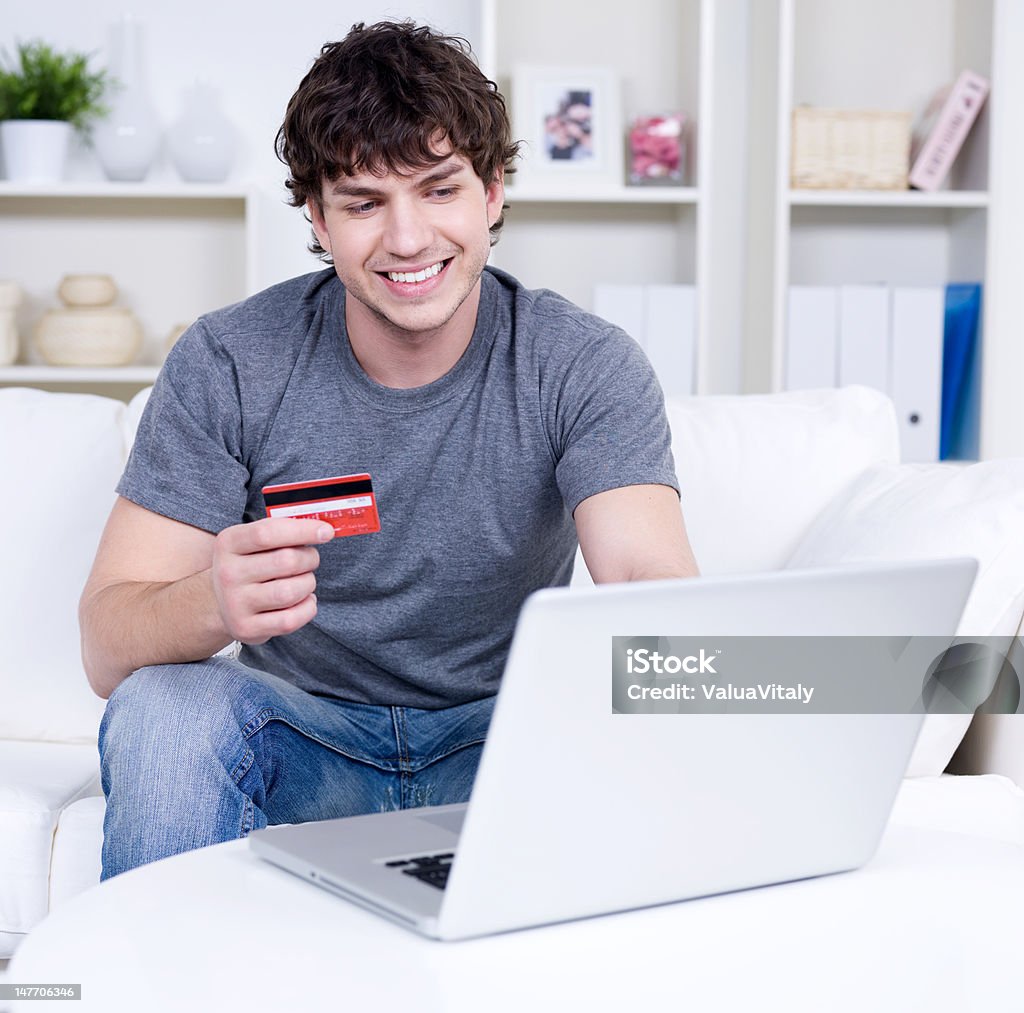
(256, 567)
(274, 533)
(255, 612)
(260, 627)
(274, 595)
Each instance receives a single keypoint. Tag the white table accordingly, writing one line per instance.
(932, 923)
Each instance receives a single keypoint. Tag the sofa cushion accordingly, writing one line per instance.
(77, 844)
(927, 511)
(61, 457)
(756, 470)
(40, 779)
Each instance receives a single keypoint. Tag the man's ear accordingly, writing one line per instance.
(316, 219)
(495, 194)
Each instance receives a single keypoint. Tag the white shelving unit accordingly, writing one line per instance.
(89, 376)
(876, 54)
(572, 239)
(176, 250)
(736, 231)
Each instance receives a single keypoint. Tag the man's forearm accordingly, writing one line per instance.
(130, 624)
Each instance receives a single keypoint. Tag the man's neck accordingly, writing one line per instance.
(402, 359)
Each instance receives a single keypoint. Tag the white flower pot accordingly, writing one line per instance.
(35, 151)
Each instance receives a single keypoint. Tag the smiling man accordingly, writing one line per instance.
(491, 427)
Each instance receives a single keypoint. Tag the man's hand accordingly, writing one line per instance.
(164, 592)
(263, 576)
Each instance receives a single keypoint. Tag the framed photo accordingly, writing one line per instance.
(569, 120)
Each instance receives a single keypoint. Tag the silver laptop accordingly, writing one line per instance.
(577, 811)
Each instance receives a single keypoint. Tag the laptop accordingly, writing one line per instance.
(577, 811)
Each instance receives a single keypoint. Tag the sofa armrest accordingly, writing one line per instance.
(994, 743)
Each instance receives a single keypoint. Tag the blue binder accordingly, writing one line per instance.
(961, 380)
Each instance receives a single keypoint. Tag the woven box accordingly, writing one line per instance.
(850, 149)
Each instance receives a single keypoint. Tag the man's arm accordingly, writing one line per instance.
(634, 533)
(162, 592)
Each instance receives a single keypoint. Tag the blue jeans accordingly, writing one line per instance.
(201, 753)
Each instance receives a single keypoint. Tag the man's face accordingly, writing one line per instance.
(409, 247)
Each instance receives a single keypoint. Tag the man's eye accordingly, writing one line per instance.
(362, 209)
(443, 192)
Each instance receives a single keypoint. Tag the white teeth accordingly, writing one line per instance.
(423, 275)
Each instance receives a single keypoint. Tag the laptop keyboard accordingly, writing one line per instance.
(432, 869)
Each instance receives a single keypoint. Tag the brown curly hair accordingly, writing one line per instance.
(379, 100)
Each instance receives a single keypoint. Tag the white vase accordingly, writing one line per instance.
(202, 139)
(35, 150)
(127, 139)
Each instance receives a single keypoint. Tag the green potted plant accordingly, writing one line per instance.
(45, 94)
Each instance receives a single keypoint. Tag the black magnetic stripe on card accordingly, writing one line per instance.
(333, 490)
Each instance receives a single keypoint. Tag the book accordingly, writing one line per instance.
(943, 129)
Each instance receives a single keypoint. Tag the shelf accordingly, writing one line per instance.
(889, 198)
(603, 195)
(78, 374)
(146, 191)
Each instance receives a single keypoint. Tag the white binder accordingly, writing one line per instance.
(622, 305)
(918, 319)
(864, 336)
(671, 337)
(812, 337)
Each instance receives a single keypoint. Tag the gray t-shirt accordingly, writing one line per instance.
(476, 475)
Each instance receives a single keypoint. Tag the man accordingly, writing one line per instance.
(497, 425)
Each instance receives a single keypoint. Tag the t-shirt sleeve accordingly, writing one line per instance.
(186, 462)
(611, 429)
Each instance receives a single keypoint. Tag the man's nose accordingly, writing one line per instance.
(407, 229)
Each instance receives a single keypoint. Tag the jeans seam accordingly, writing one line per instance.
(269, 714)
(248, 816)
(430, 760)
(243, 766)
(398, 718)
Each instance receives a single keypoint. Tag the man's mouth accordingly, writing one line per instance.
(412, 277)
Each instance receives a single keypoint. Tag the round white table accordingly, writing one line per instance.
(932, 923)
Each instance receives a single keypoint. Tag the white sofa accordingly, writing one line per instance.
(771, 481)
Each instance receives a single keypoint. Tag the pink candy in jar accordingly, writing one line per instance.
(656, 148)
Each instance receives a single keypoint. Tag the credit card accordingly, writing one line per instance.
(346, 502)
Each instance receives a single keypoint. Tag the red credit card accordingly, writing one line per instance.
(346, 502)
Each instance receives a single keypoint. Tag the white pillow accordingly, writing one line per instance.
(928, 511)
(756, 470)
(61, 456)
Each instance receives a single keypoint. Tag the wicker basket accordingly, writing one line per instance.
(850, 149)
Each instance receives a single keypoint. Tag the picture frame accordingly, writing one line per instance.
(569, 120)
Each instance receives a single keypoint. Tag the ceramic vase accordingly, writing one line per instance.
(202, 139)
(128, 138)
